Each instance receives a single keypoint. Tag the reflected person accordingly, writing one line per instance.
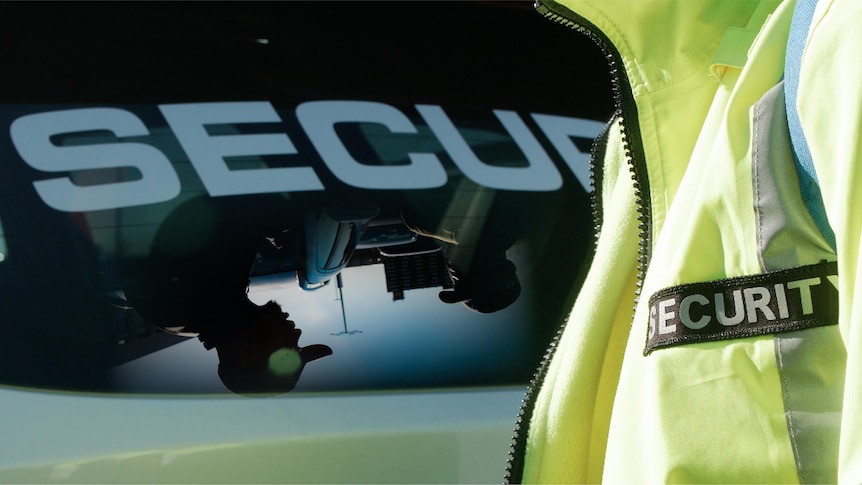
(195, 280)
(477, 226)
(480, 227)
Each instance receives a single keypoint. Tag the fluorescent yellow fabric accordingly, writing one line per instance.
(708, 412)
(575, 409)
(831, 115)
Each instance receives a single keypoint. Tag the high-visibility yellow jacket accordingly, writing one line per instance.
(698, 184)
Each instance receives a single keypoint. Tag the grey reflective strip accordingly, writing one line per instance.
(811, 366)
(786, 234)
(810, 362)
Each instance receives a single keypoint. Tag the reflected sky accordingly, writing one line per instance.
(415, 342)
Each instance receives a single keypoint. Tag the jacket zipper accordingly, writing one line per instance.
(626, 115)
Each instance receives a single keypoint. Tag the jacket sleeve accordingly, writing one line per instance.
(830, 107)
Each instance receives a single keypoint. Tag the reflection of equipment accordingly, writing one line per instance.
(420, 245)
(331, 236)
(340, 283)
(386, 231)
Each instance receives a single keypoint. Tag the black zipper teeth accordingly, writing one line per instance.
(626, 111)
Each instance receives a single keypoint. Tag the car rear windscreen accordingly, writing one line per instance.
(307, 197)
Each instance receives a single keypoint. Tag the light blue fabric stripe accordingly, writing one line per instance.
(808, 183)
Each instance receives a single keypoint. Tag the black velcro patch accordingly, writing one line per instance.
(780, 301)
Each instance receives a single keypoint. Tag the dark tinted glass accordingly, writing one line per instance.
(408, 181)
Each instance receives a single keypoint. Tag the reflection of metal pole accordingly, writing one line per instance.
(339, 287)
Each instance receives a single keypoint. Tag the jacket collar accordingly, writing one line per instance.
(667, 51)
(663, 42)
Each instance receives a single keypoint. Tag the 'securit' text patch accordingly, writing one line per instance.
(746, 306)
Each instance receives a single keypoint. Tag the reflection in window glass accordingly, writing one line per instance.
(3, 251)
(456, 285)
(373, 276)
